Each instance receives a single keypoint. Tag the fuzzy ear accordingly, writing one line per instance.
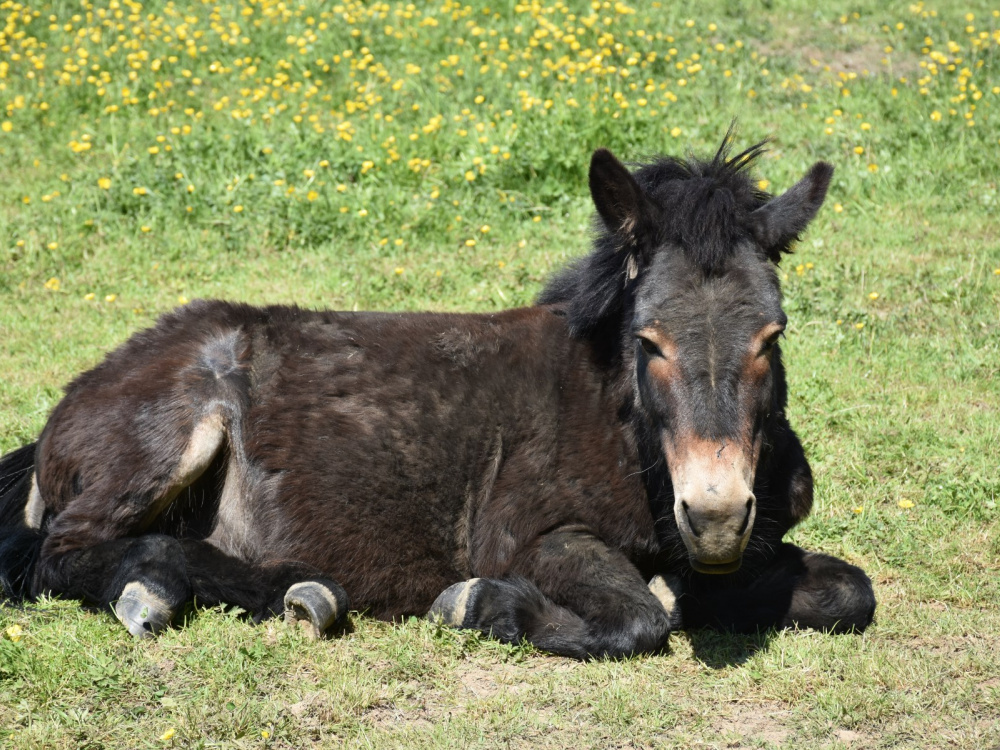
(781, 220)
(620, 201)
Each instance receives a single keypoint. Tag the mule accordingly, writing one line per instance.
(589, 474)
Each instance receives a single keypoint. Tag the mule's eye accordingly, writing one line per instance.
(649, 347)
(769, 342)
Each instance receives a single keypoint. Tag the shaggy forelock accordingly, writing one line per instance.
(705, 205)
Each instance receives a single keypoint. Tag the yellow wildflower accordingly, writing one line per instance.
(905, 504)
(52, 284)
(168, 735)
(104, 183)
(110, 297)
(14, 632)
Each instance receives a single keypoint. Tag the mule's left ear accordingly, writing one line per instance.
(623, 207)
(781, 220)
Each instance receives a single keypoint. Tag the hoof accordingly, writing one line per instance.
(452, 604)
(315, 606)
(668, 592)
(141, 611)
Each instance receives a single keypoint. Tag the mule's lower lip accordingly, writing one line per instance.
(716, 568)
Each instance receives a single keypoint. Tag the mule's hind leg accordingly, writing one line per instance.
(104, 497)
(798, 589)
(297, 591)
(142, 579)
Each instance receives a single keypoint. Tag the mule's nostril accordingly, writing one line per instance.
(687, 515)
(746, 518)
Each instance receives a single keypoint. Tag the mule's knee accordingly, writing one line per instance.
(836, 596)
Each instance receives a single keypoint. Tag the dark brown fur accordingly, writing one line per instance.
(398, 454)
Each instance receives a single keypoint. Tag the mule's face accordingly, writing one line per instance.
(700, 250)
(706, 353)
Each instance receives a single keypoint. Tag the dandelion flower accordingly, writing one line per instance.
(6, 126)
(873, 295)
(312, 195)
(764, 184)
(89, 296)
(859, 326)
(182, 300)
(52, 284)
(14, 632)
(104, 183)
(237, 209)
(905, 504)
(837, 208)
(484, 228)
(139, 191)
(168, 735)
(145, 229)
(858, 508)
(110, 297)
(470, 242)
(399, 270)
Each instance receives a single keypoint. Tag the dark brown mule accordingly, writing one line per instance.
(588, 474)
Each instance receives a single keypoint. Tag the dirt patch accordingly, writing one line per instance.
(829, 51)
(746, 725)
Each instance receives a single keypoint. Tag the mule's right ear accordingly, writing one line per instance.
(620, 201)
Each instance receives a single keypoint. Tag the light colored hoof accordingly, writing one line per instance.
(315, 607)
(668, 591)
(142, 612)
(451, 604)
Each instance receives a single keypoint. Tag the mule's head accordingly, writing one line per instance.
(697, 244)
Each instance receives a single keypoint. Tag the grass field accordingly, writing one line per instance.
(411, 156)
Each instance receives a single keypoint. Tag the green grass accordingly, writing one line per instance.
(895, 397)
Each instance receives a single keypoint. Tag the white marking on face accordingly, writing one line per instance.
(34, 511)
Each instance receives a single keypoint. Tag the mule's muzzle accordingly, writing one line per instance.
(715, 530)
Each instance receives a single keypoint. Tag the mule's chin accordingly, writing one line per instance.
(716, 568)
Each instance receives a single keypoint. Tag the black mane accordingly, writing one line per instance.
(701, 206)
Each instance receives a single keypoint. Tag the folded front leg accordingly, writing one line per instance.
(798, 589)
(568, 594)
